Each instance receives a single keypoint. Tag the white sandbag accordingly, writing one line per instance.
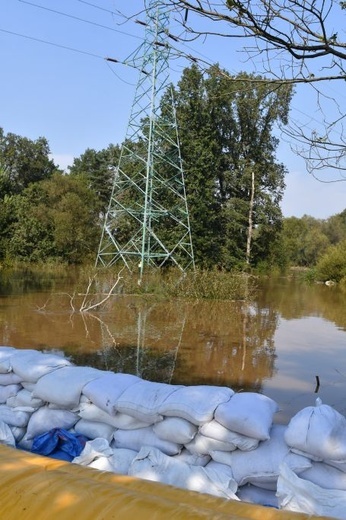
(8, 391)
(24, 398)
(64, 385)
(6, 435)
(28, 386)
(261, 466)
(98, 454)
(193, 459)
(175, 429)
(18, 433)
(92, 412)
(196, 404)
(215, 430)
(320, 431)
(135, 439)
(45, 419)
(102, 464)
(256, 495)
(25, 444)
(10, 379)
(31, 365)
(13, 417)
(92, 450)
(105, 391)
(151, 464)
(5, 355)
(203, 445)
(248, 413)
(299, 495)
(325, 476)
(122, 459)
(144, 399)
(93, 429)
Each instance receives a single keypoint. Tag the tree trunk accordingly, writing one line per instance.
(250, 226)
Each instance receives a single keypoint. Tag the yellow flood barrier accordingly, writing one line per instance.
(36, 487)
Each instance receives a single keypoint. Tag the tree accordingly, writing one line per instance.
(304, 240)
(234, 184)
(98, 167)
(55, 219)
(22, 161)
(290, 42)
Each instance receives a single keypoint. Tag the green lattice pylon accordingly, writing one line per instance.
(147, 221)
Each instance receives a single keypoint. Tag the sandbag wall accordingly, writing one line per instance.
(202, 438)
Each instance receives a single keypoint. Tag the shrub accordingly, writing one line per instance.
(332, 265)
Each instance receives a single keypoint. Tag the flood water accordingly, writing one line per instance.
(291, 337)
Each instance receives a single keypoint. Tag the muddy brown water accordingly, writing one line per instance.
(289, 343)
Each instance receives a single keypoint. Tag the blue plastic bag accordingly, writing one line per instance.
(59, 444)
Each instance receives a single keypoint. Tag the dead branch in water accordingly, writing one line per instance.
(88, 305)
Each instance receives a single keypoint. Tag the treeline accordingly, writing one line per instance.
(234, 185)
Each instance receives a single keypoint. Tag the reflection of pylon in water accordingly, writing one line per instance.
(140, 347)
(147, 222)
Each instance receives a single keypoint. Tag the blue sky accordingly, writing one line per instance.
(77, 100)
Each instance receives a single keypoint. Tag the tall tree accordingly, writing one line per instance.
(55, 219)
(234, 183)
(98, 167)
(22, 161)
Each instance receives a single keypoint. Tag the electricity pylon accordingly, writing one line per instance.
(147, 221)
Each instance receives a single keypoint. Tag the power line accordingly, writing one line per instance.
(53, 44)
(80, 19)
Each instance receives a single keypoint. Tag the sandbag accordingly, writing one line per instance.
(5, 358)
(9, 391)
(151, 464)
(92, 412)
(144, 399)
(325, 476)
(45, 419)
(26, 399)
(105, 391)
(93, 429)
(10, 379)
(249, 414)
(13, 417)
(193, 459)
(196, 404)
(6, 435)
(30, 365)
(319, 431)
(64, 385)
(261, 466)
(175, 429)
(299, 495)
(256, 495)
(215, 430)
(203, 445)
(92, 450)
(136, 439)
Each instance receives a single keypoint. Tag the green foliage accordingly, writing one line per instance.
(226, 129)
(304, 240)
(332, 265)
(98, 168)
(22, 161)
(172, 283)
(55, 218)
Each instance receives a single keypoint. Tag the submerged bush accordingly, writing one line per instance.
(198, 284)
(332, 265)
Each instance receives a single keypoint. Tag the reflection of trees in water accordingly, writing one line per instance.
(23, 281)
(216, 343)
(293, 299)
